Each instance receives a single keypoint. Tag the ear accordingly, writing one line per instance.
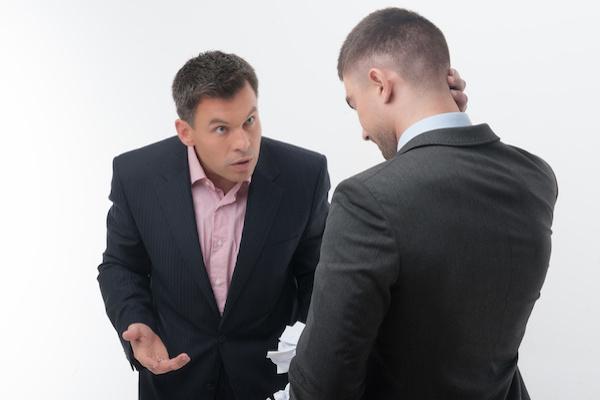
(184, 131)
(383, 83)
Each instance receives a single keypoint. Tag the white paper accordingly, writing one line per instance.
(283, 394)
(286, 350)
(291, 334)
(282, 359)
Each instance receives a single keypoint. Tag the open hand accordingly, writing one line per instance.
(150, 351)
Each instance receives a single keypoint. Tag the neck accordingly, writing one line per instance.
(221, 183)
(217, 180)
(418, 106)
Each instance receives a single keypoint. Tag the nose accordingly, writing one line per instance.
(365, 135)
(241, 140)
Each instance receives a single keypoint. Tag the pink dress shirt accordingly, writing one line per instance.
(220, 221)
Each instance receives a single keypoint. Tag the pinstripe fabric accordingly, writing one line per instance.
(153, 270)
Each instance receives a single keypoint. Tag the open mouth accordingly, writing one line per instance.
(242, 165)
(243, 162)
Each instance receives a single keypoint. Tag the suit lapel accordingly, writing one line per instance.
(174, 192)
(264, 196)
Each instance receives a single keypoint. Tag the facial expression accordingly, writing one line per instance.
(226, 135)
(365, 98)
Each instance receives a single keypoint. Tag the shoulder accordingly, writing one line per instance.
(376, 178)
(151, 152)
(293, 160)
(539, 165)
(148, 158)
(390, 187)
(538, 161)
(363, 189)
(286, 153)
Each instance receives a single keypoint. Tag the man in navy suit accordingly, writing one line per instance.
(213, 238)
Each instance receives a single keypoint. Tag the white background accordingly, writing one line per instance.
(81, 82)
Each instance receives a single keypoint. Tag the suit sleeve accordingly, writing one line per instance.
(124, 275)
(306, 256)
(358, 265)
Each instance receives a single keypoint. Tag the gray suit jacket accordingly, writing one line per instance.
(430, 265)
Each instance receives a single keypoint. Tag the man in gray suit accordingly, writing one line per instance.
(432, 261)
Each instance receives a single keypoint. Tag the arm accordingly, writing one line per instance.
(306, 255)
(124, 278)
(124, 275)
(352, 290)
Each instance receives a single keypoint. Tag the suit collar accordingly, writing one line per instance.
(436, 121)
(461, 136)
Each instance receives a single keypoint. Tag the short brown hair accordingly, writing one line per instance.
(415, 44)
(211, 74)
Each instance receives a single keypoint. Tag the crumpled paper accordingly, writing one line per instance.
(286, 350)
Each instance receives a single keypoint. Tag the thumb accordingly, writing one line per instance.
(132, 333)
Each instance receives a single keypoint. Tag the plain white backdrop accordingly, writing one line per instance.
(82, 81)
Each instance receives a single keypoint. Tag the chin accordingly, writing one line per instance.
(240, 177)
(387, 153)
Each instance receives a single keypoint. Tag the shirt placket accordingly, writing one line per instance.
(220, 248)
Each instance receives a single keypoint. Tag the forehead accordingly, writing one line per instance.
(238, 106)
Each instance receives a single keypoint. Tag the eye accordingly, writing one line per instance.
(221, 130)
(251, 120)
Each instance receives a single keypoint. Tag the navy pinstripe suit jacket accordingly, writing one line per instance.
(153, 271)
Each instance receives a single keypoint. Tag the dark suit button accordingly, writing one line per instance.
(210, 386)
(221, 339)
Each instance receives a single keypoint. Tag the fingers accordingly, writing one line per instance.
(159, 366)
(457, 88)
(460, 98)
(150, 351)
(455, 81)
(178, 362)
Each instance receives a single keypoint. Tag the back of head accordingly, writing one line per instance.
(212, 74)
(402, 39)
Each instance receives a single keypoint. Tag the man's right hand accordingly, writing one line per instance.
(150, 351)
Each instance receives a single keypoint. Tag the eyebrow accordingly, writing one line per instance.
(252, 111)
(349, 103)
(217, 121)
(220, 121)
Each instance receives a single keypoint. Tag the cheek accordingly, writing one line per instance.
(256, 130)
(256, 135)
(365, 116)
(374, 118)
(212, 155)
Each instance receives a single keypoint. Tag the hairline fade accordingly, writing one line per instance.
(416, 46)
